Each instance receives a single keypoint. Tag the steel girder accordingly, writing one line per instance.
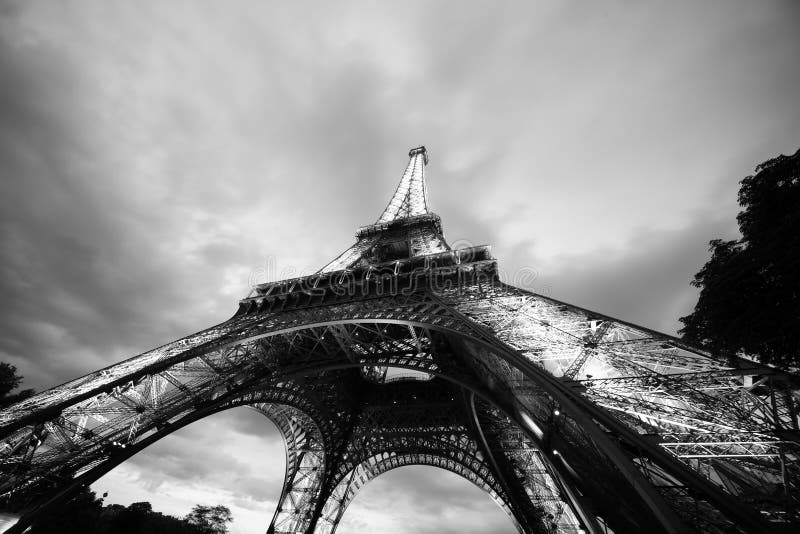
(570, 419)
(296, 357)
(735, 425)
(295, 360)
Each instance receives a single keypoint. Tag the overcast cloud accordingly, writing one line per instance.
(157, 157)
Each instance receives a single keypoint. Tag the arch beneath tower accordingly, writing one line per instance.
(246, 368)
(377, 465)
(306, 465)
(306, 457)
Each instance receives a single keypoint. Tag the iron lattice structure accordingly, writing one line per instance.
(404, 351)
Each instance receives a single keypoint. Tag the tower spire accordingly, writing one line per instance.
(405, 229)
(411, 197)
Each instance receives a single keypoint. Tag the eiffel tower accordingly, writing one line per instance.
(404, 351)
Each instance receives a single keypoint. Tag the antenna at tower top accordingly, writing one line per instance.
(419, 150)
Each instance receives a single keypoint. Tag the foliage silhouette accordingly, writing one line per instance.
(85, 514)
(749, 299)
(9, 380)
(211, 519)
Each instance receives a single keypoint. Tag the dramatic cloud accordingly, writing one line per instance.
(158, 157)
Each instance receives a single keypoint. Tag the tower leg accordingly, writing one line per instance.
(305, 468)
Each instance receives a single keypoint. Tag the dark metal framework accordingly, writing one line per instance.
(404, 351)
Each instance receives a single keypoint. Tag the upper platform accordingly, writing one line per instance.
(406, 228)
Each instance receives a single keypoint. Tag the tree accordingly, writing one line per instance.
(85, 514)
(77, 516)
(749, 299)
(9, 380)
(210, 519)
(142, 507)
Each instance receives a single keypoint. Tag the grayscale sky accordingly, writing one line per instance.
(159, 157)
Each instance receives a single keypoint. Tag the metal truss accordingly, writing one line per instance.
(736, 426)
(405, 352)
(411, 197)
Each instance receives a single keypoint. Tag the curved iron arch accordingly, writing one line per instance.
(261, 403)
(258, 398)
(390, 461)
(557, 394)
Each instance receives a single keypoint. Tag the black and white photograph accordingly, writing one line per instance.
(399, 267)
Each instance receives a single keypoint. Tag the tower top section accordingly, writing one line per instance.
(405, 229)
(411, 197)
(419, 150)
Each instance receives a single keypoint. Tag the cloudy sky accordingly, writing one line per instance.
(159, 157)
